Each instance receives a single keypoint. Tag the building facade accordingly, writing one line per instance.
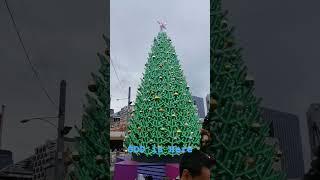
(5, 158)
(285, 127)
(313, 121)
(21, 170)
(44, 159)
(198, 101)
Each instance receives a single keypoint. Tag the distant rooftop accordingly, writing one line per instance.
(22, 169)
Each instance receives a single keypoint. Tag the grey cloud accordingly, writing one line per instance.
(188, 27)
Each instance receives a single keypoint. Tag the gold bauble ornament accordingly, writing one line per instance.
(239, 105)
(279, 153)
(250, 161)
(228, 66)
(256, 126)
(176, 94)
(99, 159)
(213, 104)
(83, 130)
(228, 43)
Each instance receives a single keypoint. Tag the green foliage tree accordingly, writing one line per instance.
(94, 154)
(164, 114)
(237, 130)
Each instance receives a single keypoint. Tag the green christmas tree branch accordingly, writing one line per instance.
(237, 130)
(94, 154)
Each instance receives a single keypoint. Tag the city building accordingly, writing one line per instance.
(23, 170)
(117, 130)
(5, 158)
(124, 113)
(198, 101)
(114, 120)
(44, 159)
(116, 140)
(118, 121)
(285, 127)
(313, 121)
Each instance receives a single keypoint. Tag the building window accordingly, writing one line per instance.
(271, 130)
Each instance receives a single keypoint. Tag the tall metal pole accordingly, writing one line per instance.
(129, 95)
(59, 170)
(1, 123)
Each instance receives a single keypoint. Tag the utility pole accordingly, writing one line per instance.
(129, 102)
(1, 123)
(59, 158)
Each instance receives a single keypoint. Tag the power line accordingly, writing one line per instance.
(121, 87)
(127, 74)
(34, 70)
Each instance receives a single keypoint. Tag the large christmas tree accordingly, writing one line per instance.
(238, 133)
(164, 121)
(94, 154)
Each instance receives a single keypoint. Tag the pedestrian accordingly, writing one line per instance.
(195, 166)
(149, 178)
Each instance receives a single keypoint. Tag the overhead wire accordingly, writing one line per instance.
(33, 68)
(115, 71)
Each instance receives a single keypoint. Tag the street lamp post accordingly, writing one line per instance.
(41, 119)
(129, 102)
(61, 132)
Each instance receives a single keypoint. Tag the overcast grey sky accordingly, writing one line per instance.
(62, 38)
(133, 28)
